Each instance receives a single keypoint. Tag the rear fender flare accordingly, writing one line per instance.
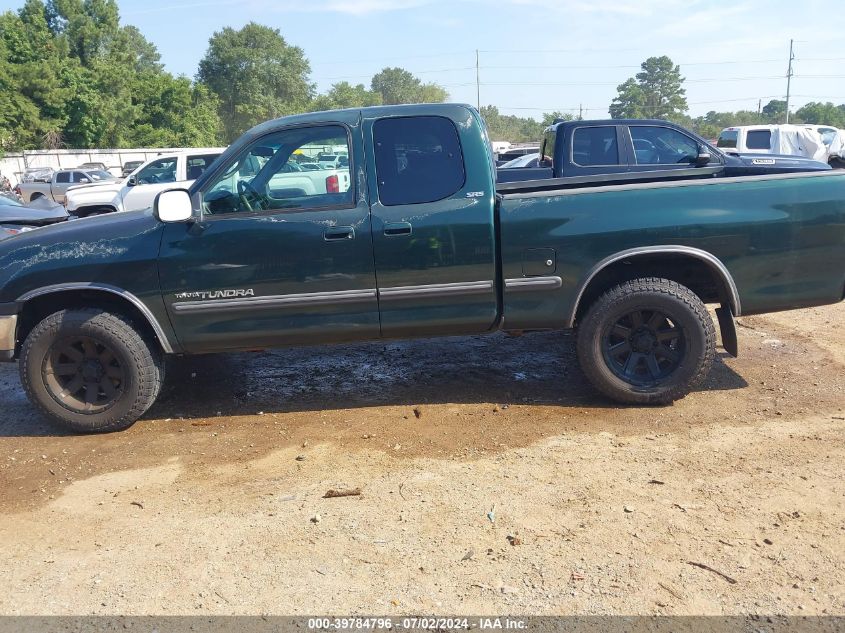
(713, 262)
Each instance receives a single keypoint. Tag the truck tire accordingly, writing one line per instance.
(90, 371)
(647, 341)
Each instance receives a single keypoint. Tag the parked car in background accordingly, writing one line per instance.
(328, 161)
(639, 149)
(834, 141)
(827, 132)
(31, 174)
(781, 140)
(140, 189)
(130, 166)
(529, 160)
(515, 152)
(16, 218)
(62, 180)
(90, 166)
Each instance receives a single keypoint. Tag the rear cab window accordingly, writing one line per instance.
(547, 149)
(63, 177)
(595, 146)
(728, 139)
(758, 139)
(418, 159)
(196, 165)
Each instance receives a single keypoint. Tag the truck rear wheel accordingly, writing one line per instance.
(90, 371)
(647, 341)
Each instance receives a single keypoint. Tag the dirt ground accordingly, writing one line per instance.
(493, 480)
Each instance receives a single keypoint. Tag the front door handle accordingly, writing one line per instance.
(339, 234)
(395, 229)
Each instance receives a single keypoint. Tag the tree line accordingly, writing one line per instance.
(71, 75)
(657, 92)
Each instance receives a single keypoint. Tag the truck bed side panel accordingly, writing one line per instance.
(782, 239)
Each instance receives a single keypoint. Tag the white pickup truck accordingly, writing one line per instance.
(139, 190)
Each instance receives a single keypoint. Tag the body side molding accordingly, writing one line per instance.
(672, 249)
(436, 290)
(276, 301)
(527, 284)
(135, 301)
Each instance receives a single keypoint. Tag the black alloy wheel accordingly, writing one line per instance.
(83, 375)
(643, 347)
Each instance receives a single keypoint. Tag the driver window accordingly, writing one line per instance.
(662, 146)
(162, 170)
(270, 174)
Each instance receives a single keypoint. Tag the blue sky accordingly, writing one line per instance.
(536, 55)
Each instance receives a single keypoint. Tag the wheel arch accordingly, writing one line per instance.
(703, 266)
(39, 303)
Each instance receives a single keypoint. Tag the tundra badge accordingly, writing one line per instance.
(216, 294)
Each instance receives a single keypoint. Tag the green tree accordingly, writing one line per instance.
(774, 111)
(256, 75)
(819, 113)
(550, 117)
(656, 92)
(515, 129)
(397, 85)
(345, 95)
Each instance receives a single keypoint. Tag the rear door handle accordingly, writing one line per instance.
(339, 234)
(395, 229)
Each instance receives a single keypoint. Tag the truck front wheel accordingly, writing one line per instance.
(647, 341)
(90, 371)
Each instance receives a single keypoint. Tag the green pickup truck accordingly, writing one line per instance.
(416, 242)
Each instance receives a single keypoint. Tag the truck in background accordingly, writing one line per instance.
(140, 189)
(60, 183)
(635, 149)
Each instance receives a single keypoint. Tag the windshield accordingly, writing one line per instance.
(99, 174)
(328, 159)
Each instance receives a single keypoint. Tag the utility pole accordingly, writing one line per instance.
(477, 80)
(789, 77)
(759, 108)
(580, 111)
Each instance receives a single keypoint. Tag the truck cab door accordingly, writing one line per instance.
(157, 176)
(433, 224)
(60, 184)
(663, 148)
(595, 150)
(273, 262)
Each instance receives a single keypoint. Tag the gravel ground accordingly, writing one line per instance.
(493, 479)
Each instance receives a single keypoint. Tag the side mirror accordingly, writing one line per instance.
(173, 206)
(132, 181)
(84, 180)
(704, 157)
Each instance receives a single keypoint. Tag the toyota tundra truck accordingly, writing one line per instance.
(419, 244)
